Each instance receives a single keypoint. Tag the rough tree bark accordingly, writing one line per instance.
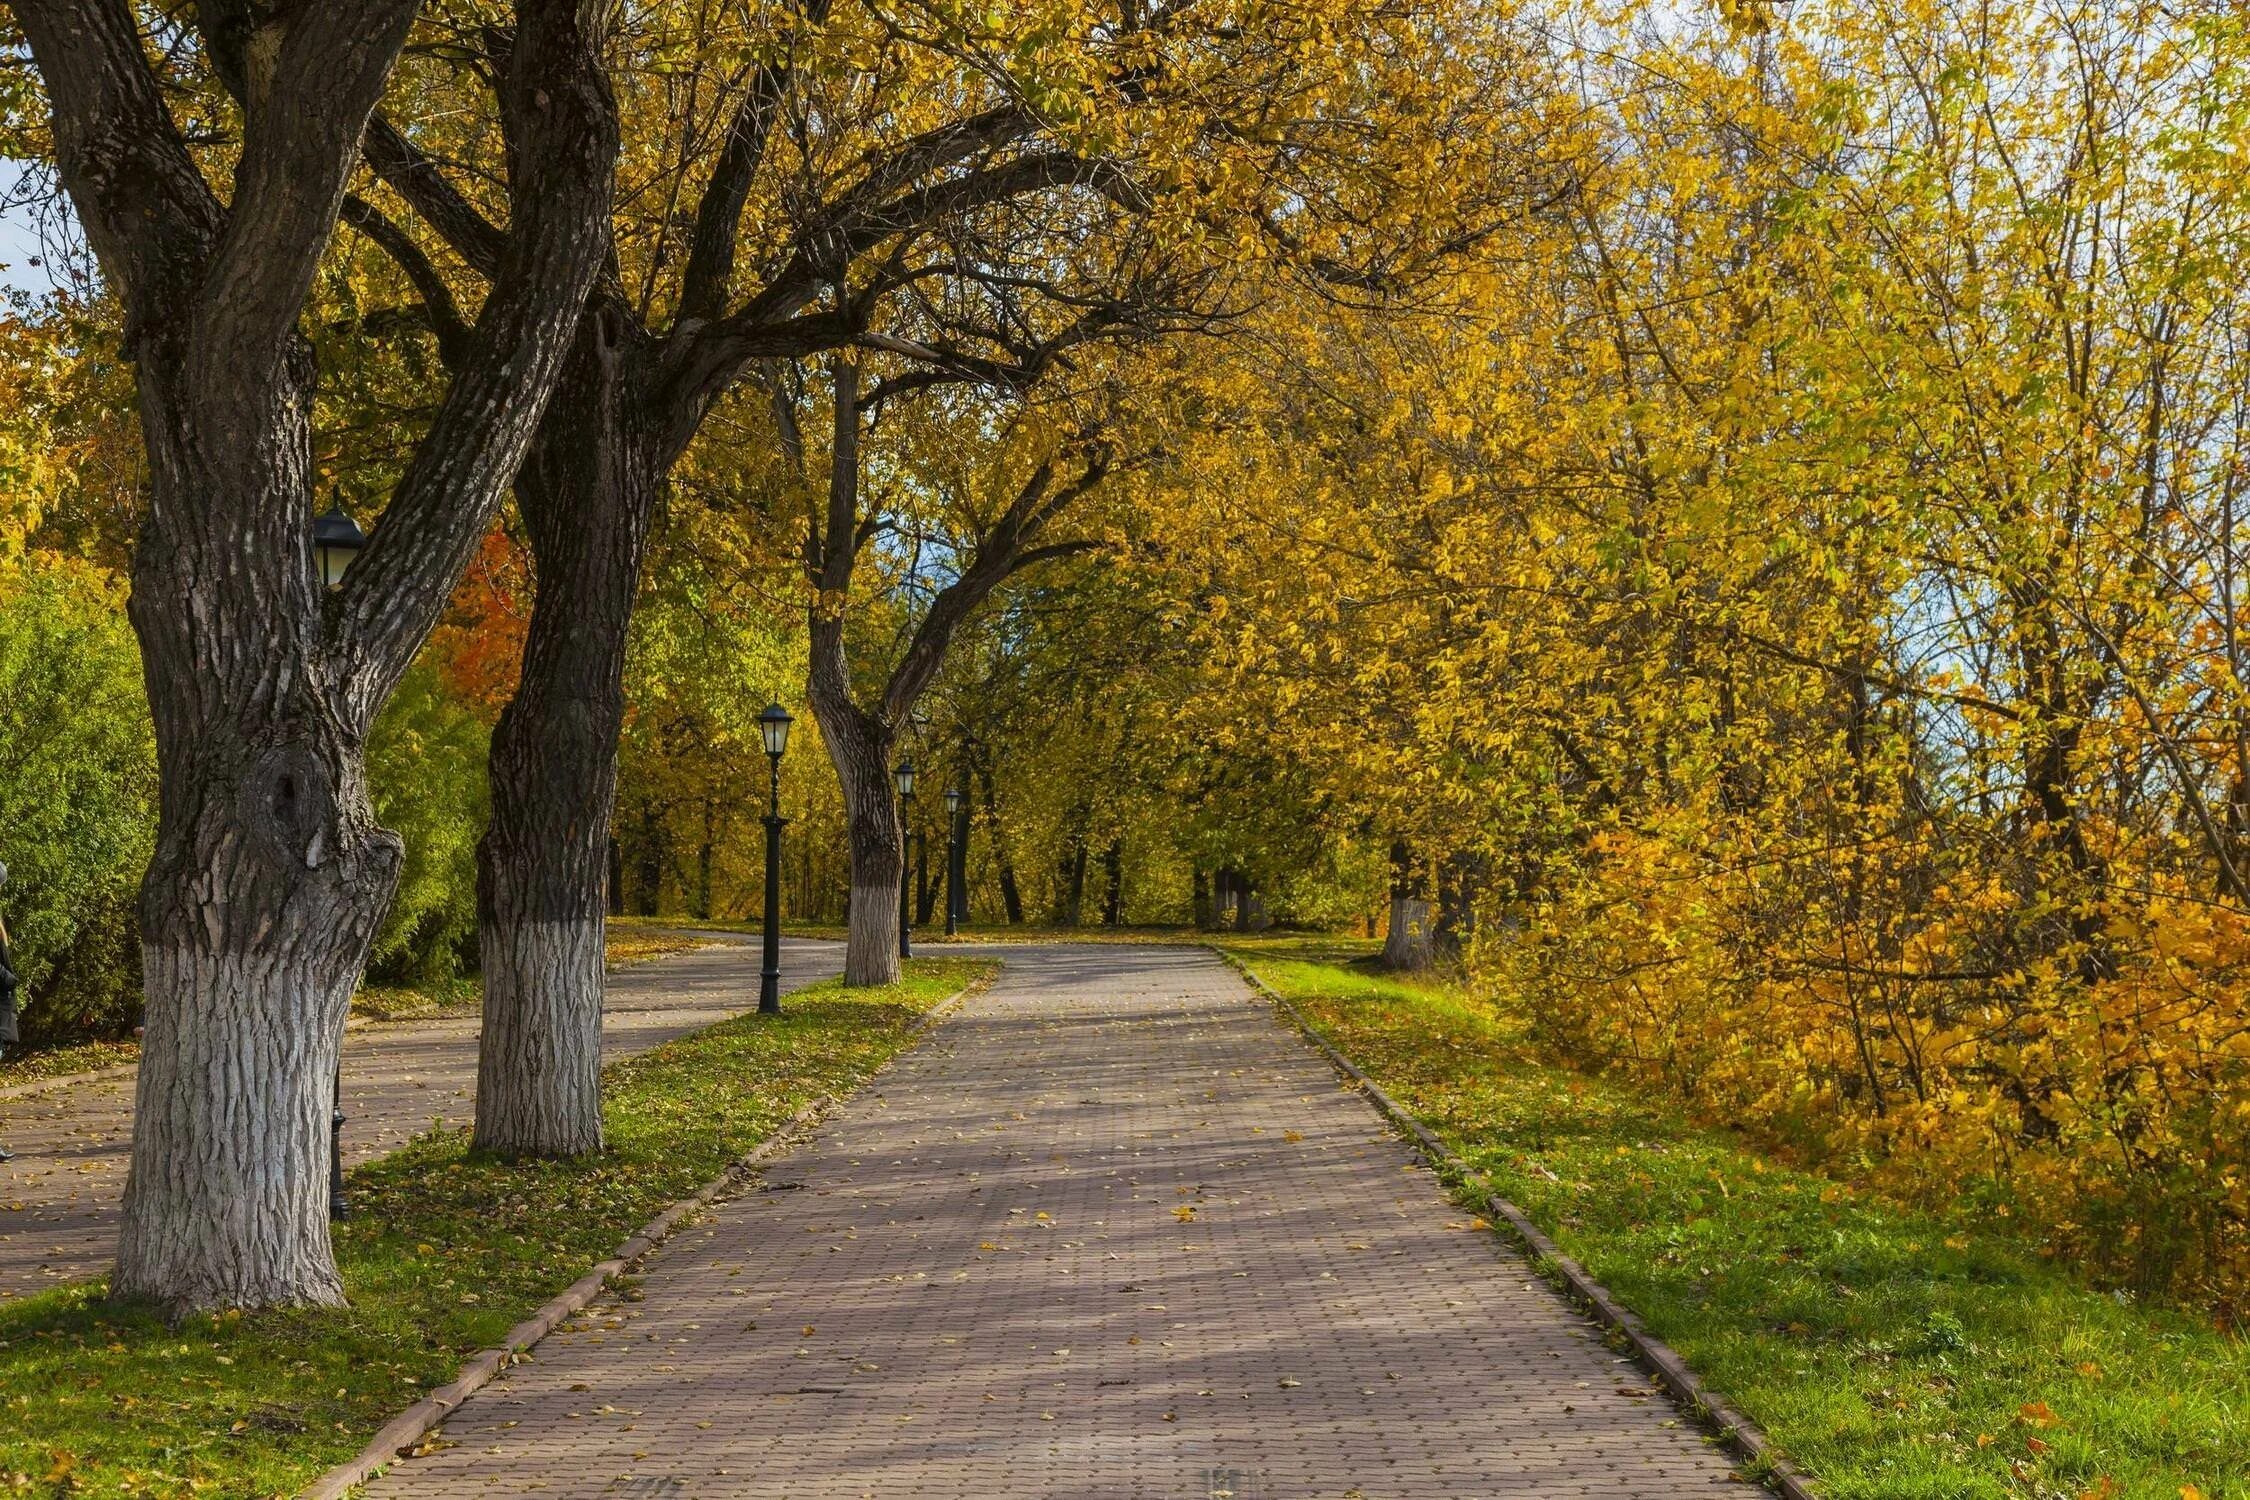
(269, 874)
(587, 492)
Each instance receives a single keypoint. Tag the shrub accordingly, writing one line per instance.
(426, 777)
(77, 794)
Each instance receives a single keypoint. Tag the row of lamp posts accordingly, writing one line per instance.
(956, 848)
(337, 540)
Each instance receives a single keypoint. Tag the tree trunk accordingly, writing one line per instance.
(256, 915)
(587, 493)
(1113, 883)
(1201, 899)
(859, 744)
(1408, 946)
(269, 875)
(1011, 897)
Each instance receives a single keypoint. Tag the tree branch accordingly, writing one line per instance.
(557, 106)
(303, 115)
(444, 315)
(149, 214)
(417, 179)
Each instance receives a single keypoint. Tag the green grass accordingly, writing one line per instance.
(1891, 1354)
(444, 1253)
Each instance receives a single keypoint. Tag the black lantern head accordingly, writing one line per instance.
(953, 800)
(337, 539)
(905, 775)
(774, 724)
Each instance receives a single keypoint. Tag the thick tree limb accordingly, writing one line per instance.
(563, 121)
(149, 214)
(303, 117)
(418, 179)
(709, 277)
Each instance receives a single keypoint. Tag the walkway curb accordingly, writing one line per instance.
(66, 1080)
(1661, 1359)
(418, 1421)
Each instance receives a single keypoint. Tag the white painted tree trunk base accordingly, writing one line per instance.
(539, 1061)
(227, 1202)
(871, 953)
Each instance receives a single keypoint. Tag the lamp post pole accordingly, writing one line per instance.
(338, 1208)
(956, 848)
(905, 774)
(336, 540)
(773, 724)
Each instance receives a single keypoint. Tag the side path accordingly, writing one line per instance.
(59, 1197)
(1112, 1230)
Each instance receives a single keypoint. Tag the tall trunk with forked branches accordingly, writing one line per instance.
(269, 873)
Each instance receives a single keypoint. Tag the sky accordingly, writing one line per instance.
(19, 233)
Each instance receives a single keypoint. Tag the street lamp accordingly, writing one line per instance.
(337, 539)
(905, 775)
(337, 1207)
(956, 842)
(773, 725)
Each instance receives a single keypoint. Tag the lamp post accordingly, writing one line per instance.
(955, 848)
(905, 775)
(773, 725)
(338, 1208)
(336, 540)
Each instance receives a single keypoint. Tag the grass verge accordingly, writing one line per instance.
(445, 1252)
(1892, 1355)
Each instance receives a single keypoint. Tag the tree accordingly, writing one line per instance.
(920, 148)
(1000, 523)
(269, 875)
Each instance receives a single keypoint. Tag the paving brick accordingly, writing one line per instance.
(1111, 1231)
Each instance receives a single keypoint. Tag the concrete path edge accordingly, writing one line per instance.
(1661, 1360)
(418, 1421)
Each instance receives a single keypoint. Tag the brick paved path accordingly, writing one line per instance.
(1110, 1231)
(58, 1198)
